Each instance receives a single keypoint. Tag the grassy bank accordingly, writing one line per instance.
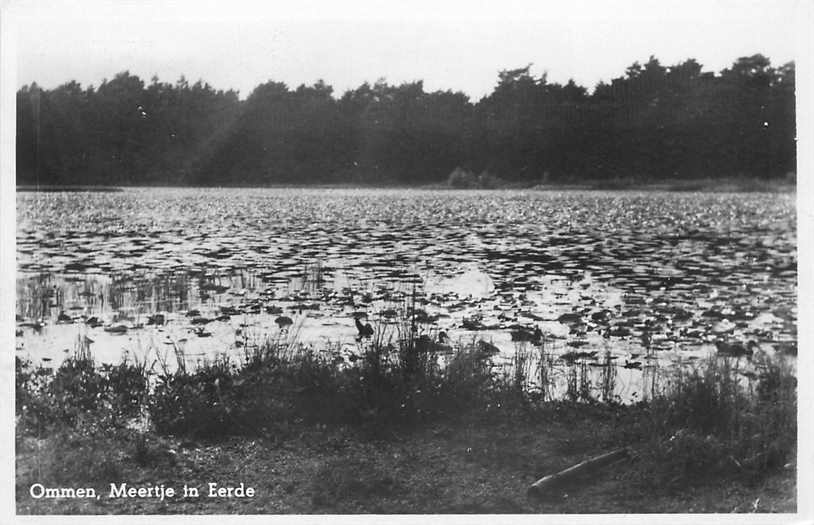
(392, 431)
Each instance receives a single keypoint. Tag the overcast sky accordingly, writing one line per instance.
(459, 46)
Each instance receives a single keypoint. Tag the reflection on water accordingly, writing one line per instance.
(636, 282)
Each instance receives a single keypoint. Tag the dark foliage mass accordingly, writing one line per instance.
(654, 122)
(704, 425)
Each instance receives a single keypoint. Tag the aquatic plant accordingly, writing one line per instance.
(545, 371)
(607, 379)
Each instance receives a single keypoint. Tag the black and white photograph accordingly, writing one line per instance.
(364, 258)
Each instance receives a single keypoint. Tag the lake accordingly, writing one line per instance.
(650, 279)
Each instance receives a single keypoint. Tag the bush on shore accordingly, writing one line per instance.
(395, 380)
(464, 179)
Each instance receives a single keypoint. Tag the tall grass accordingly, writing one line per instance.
(545, 371)
(579, 386)
(607, 379)
(718, 419)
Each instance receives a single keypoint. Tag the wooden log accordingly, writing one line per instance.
(589, 465)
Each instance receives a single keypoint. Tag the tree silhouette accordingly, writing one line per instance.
(653, 122)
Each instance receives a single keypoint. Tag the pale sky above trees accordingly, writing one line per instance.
(457, 45)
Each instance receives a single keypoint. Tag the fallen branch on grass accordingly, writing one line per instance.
(589, 465)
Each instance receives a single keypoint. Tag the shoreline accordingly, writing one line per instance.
(726, 185)
(392, 434)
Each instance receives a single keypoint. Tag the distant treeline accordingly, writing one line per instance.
(652, 123)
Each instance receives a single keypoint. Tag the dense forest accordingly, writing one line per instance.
(652, 123)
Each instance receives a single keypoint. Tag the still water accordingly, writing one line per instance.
(652, 278)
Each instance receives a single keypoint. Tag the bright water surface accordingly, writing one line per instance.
(654, 278)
